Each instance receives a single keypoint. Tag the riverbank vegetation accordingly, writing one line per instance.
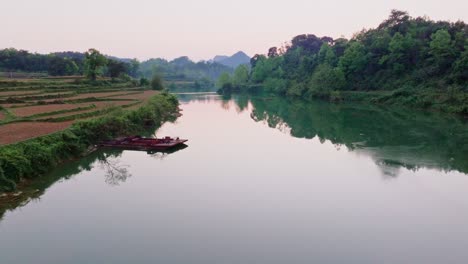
(408, 61)
(32, 158)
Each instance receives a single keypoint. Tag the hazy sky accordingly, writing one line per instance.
(199, 29)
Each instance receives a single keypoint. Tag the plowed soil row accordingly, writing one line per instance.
(44, 109)
(40, 109)
(18, 93)
(140, 96)
(99, 106)
(99, 95)
(16, 132)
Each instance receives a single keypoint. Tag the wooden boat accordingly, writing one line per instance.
(142, 143)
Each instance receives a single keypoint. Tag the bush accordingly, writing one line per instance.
(125, 77)
(275, 85)
(157, 83)
(144, 82)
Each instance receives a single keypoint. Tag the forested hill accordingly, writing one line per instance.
(413, 61)
(233, 61)
(183, 68)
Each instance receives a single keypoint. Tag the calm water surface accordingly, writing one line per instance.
(261, 181)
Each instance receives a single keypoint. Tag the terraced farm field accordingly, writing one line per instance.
(38, 107)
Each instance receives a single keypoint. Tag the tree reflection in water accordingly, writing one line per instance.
(115, 171)
(394, 138)
(108, 160)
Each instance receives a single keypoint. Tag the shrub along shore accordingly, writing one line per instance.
(35, 157)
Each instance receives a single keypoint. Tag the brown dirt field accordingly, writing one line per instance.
(111, 95)
(99, 106)
(12, 105)
(84, 95)
(10, 93)
(2, 115)
(45, 94)
(98, 95)
(143, 99)
(115, 103)
(141, 96)
(38, 109)
(16, 132)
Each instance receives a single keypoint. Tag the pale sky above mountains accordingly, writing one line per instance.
(199, 29)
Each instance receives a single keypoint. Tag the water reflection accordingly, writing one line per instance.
(394, 138)
(115, 171)
(160, 155)
(108, 160)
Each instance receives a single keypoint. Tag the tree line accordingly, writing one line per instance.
(93, 64)
(183, 68)
(402, 53)
(67, 63)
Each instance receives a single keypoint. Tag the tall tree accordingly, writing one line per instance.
(241, 75)
(327, 55)
(354, 59)
(94, 62)
(442, 49)
(116, 68)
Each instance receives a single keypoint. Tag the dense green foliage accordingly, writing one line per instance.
(67, 63)
(34, 157)
(55, 64)
(93, 63)
(238, 82)
(423, 62)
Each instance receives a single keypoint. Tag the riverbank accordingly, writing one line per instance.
(453, 102)
(32, 158)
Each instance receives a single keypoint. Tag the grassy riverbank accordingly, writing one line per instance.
(33, 158)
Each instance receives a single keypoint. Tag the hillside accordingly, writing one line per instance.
(234, 60)
(415, 62)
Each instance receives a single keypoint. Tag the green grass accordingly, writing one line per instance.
(8, 115)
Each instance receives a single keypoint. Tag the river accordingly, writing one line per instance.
(262, 180)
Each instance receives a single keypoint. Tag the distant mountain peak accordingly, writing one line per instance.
(233, 61)
(240, 53)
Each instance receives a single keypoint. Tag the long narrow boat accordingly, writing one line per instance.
(142, 143)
